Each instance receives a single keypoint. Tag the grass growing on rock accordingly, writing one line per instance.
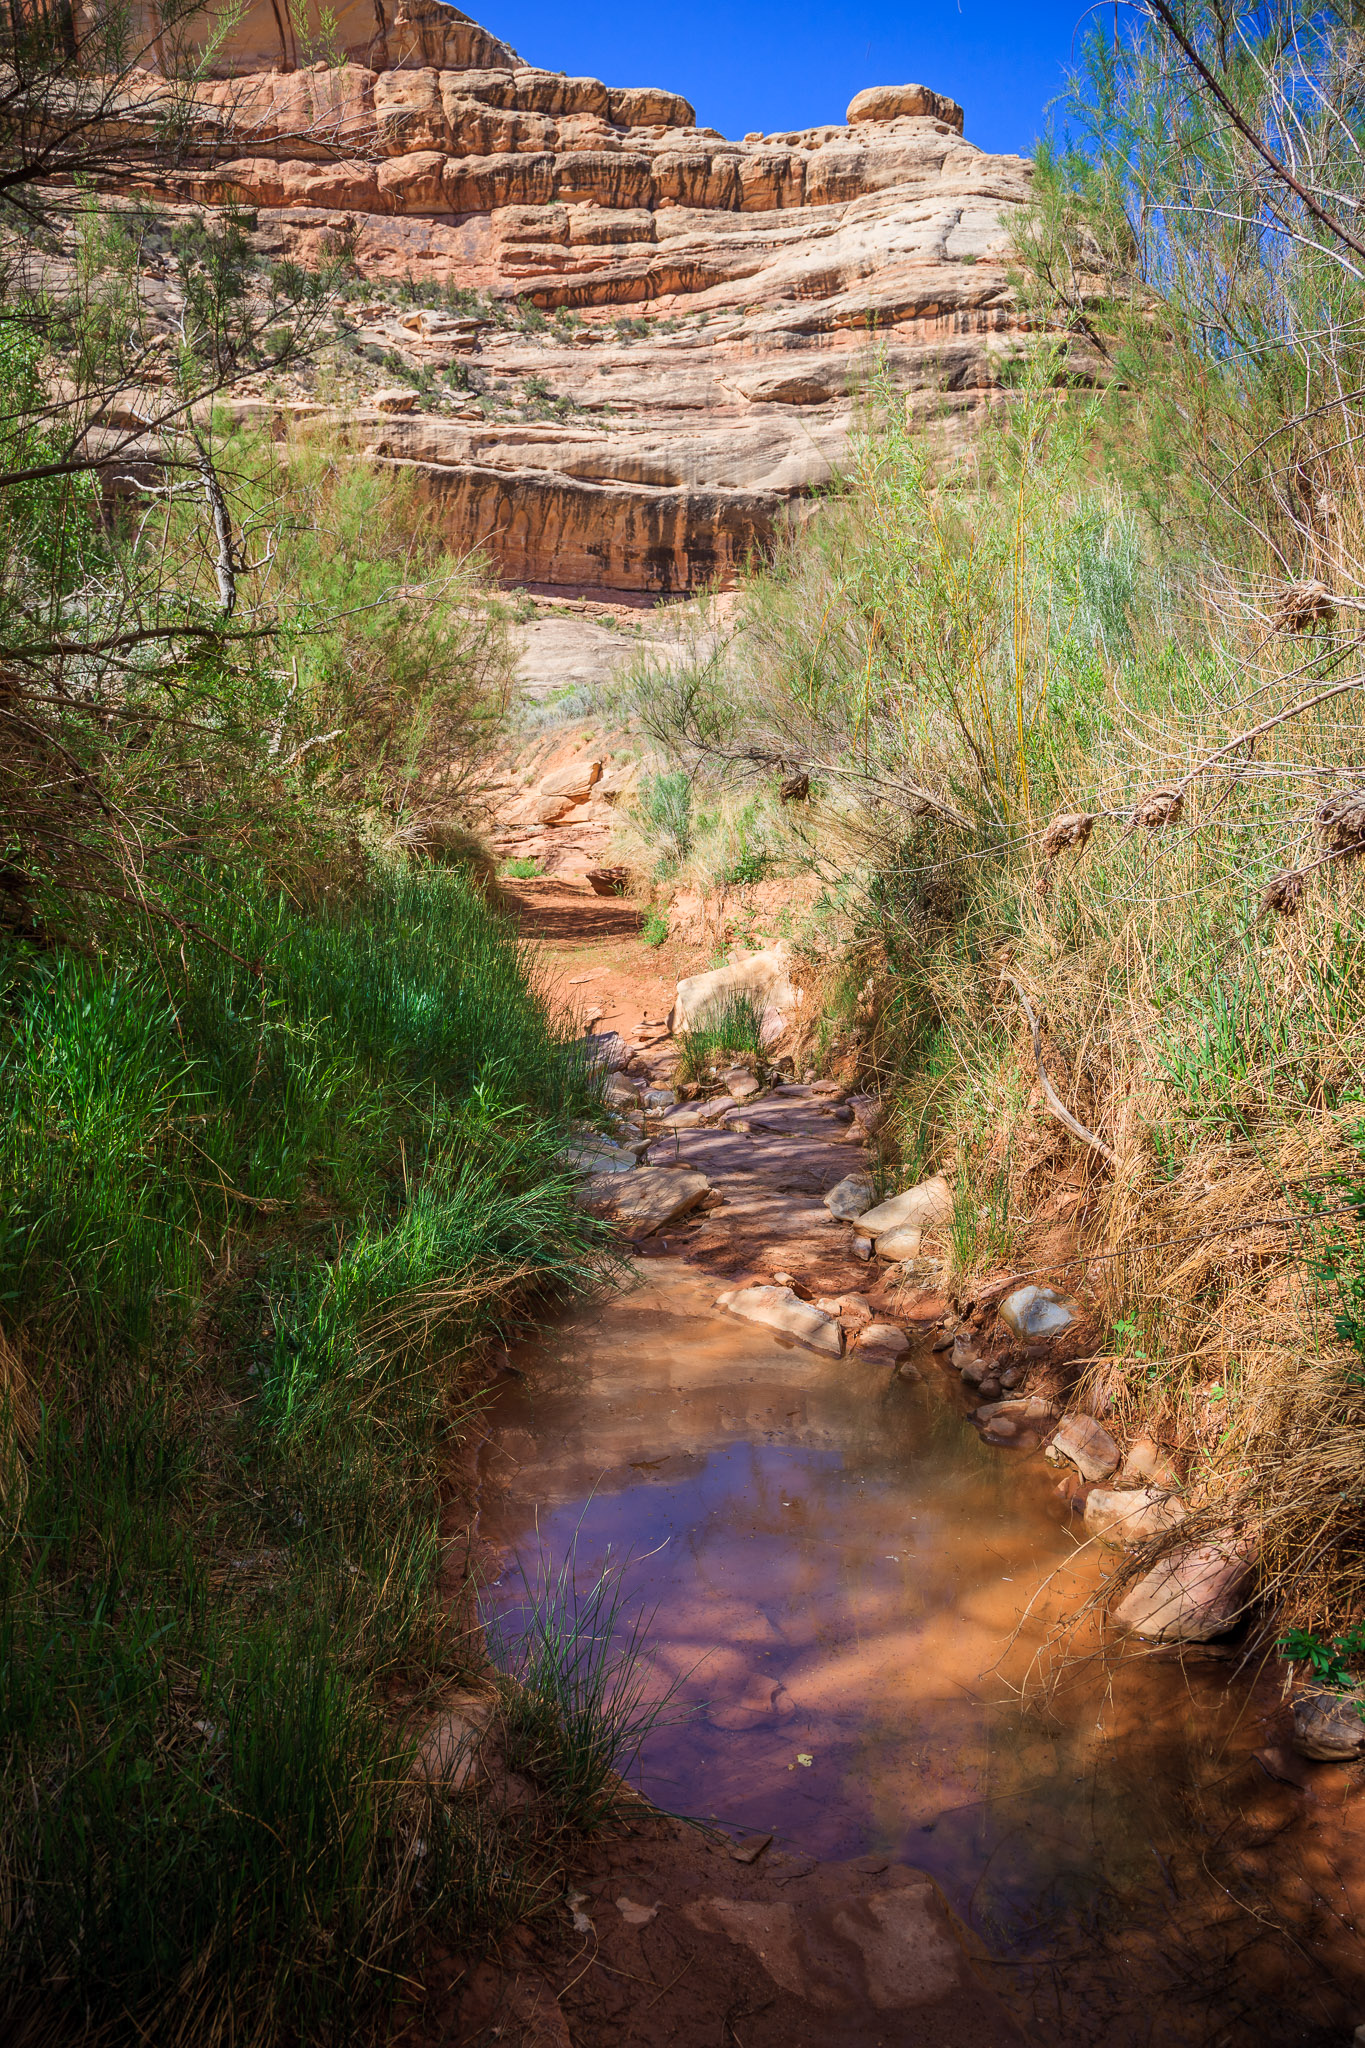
(731, 1028)
(262, 1198)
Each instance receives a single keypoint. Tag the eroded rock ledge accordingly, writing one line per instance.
(764, 281)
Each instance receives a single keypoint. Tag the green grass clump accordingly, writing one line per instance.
(523, 869)
(258, 1200)
(734, 1026)
(577, 1704)
(654, 926)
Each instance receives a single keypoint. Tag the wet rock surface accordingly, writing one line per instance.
(784, 1311)
(1329, 1726)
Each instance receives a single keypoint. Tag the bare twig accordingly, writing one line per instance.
(1054, 1100)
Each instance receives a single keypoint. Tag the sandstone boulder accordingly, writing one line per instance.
(763, 980)
(1088, 1444)
(926, 1206)
(1132, 1514)
(782, 1310)
(651, 1197)
(448, 1752)
(895, 102)
(574, 781)
(1191, 1596)
(1147, 1464)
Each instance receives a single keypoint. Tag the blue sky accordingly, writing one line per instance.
(771, 64)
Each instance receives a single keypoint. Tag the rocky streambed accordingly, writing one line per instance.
(851, 1569)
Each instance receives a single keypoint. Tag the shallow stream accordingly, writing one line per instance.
(853, 1599)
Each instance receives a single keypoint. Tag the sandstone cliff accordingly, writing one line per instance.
(691, 316)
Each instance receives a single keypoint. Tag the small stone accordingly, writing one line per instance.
(1011, 1377)
(1088, 1444)
(1328, 1727)
(944, 1341)
(1130, 1514)
(1037, 1312)
(741, 1087)
(1147, 1462)
(861, 1247)
(849, 1198)
(634, 1914)
(884, 1341)
(828, 1088)
(808, 1076)
(899, 1244)
(908, 1370)
(989, 1387)
(750, 1849)
(967, 1359)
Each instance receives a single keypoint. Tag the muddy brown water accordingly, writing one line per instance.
(853, 1601)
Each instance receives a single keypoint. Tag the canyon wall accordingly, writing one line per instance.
(695, 316)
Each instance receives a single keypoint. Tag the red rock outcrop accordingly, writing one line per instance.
(695, 315)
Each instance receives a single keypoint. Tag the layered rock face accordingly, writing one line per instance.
(714, 307)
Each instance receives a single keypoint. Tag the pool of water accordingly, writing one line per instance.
(853, 1611)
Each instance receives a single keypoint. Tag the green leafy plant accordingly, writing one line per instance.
(523, 869)
(1329, 1661)
(654, 926)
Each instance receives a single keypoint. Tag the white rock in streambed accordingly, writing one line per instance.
(926, 1206)
(782, 1310)
(762, 979)
(593, 1154)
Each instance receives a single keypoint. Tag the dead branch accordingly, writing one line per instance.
(1054, 1100)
